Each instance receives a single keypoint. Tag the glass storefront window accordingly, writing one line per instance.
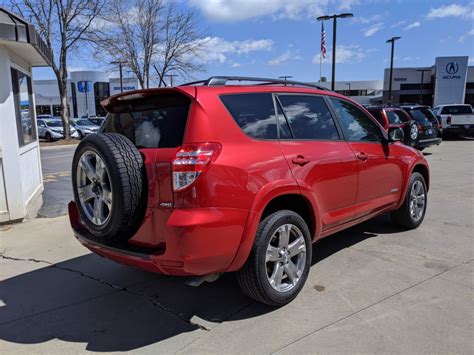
(25, 113)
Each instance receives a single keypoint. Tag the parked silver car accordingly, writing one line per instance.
(52, 130)
(84, 127)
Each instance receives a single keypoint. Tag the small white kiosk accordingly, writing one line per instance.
(21, 182)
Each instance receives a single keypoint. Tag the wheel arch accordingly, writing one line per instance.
(424, 171)
(279, 195)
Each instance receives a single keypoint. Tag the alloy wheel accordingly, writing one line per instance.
(285, 258)
(417, 201)
(94, 188)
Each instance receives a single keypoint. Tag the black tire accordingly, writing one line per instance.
(402, 216)
(409, 139)
(253, 279)
(421, 149)
(48, 137)
(127, 177)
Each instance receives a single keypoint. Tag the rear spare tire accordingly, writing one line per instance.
(109, 186)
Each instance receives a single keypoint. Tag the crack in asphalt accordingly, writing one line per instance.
(152, 299)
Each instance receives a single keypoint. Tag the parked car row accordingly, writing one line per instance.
(420, 125)
(51, 128)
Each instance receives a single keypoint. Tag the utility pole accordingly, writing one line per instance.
(392, 41)
(171, 76)
(421, 85)
(334, 29)
(120, 63)
(349, 89)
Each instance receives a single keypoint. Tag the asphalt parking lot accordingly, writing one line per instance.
(373, 288)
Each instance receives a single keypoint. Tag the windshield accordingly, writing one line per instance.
(84, 123)
(54, 124)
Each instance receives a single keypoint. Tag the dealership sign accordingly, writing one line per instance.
(452, 69)
(450, 80)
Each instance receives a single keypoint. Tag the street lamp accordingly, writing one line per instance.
(171, 76)
(334, 27)
(285, 77)
(421, 85)
(392, 41)
(349, 89)
(120, 63)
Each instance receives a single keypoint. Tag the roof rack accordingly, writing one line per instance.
(222, 80)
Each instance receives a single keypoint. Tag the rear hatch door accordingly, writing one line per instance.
(155, 121)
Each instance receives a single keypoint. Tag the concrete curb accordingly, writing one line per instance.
(58, 146)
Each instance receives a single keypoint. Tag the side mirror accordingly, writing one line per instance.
(395, 134)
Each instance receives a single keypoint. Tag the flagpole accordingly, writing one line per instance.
(321, 55)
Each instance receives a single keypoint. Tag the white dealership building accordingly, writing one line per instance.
(449, 81)
(87, 88)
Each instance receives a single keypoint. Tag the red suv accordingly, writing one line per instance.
(208, 177)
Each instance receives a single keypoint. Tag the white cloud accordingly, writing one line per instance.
(412, 25)
(453, 10)
(238, 10)
(365, 20)
(217, 49)
(410, 59)
(463, 37)
(398, 24)
(283, 58)
(369, 32)
(344, 54)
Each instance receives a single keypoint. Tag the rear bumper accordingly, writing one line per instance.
(459, 129)
(422, 143)
(198, 242)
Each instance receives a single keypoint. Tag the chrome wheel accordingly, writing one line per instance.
(414, 132)
(285, 257)
(417, 201)
(94, 188)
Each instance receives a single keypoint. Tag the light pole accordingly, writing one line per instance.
(349, 89)
(171, 76)
(421, 85)
(120, 63)
(392, 41)
(334, 28)
(285, 77)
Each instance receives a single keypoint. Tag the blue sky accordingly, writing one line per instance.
(275, 37)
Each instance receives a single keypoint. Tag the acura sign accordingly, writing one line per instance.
(451, 76)
(452, 68)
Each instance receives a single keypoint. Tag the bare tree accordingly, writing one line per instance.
(62, 24)
(146, 33)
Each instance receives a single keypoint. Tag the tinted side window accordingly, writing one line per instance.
(378, 115)
(356, 124)
(254, 113)
(309, 117)
(395, 117)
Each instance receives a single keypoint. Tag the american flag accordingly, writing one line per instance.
(323, 41)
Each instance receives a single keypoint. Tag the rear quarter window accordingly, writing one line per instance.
(254, 113)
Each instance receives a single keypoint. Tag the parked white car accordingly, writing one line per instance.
(52, 130)
(455, 119)
(84, 127)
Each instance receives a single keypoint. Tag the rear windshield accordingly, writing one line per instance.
(457, 110)
(423, 116)
(153, 122)
(377, 114)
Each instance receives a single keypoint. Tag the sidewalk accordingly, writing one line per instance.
(373, 288)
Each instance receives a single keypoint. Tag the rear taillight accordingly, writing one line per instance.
(420, 128)
(448, 120)
(191, 161)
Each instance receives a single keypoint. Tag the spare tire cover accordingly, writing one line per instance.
(109, 186)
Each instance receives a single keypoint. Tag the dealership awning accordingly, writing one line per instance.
(22, 39)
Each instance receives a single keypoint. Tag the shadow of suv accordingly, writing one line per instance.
(209, 177)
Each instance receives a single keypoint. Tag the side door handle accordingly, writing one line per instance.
(362, 156)
(300, 160)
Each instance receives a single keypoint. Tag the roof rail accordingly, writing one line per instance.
(222, 80)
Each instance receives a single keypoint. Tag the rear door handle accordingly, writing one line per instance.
(362, 156)
(300, 160)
